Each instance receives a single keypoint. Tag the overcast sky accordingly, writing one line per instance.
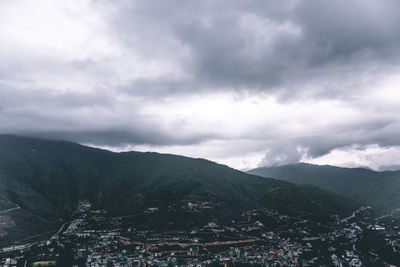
(244, 83)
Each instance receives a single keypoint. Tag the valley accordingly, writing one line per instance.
(256, 237)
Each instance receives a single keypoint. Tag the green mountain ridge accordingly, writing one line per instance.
(380, 190)
(43, 180)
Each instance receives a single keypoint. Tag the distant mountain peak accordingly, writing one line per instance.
(378, 189)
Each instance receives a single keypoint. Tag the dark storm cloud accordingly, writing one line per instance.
(298, 42)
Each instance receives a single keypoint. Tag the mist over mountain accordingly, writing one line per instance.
(43, 180)
(378, 189)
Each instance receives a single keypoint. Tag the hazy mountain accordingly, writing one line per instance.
(41, 182)
(378, 189)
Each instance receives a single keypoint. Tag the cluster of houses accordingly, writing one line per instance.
(256, 237)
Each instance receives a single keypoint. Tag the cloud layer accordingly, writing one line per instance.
(243, 83)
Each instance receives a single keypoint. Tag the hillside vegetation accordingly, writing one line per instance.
(45, 179)
(380, 190)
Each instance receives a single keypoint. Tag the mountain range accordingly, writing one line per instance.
(380, 190)
(41, 182)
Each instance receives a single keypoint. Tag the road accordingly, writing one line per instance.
(27, 245)
(5, 211)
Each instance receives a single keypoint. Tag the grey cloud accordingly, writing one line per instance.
(114, 137)
(344, 28)
(85, 118)
(303, 50)
(337, 41)
(160, 87)
(12, 98)
(283, 151)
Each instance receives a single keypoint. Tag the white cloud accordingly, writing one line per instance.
(372, 156)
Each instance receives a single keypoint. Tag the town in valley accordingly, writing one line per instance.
(93, 237)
